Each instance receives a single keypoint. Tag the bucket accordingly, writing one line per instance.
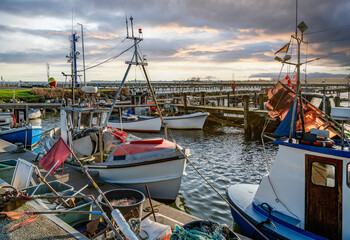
(129, 211)
(209, 227)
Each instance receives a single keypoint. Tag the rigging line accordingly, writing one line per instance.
(267, 121)
(329, 41)
(348, 49)
(110, 50)
(109, 59)
(326, 30)
(223, 198)
(279, 200)
(306, 54)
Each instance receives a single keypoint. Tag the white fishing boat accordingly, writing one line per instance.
(158, 163)
(135, 124)
(34, 114)
(305, 194)
(188, 121)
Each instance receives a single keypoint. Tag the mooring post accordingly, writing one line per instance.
(202, 98)
(255, 100)
(185, 102)
(337, 101)
(247, 128)
(261, 101)
(228, 99)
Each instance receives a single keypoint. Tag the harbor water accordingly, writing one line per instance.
(222, 156)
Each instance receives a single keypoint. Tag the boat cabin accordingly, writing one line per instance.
(309, 187)
(79, 119)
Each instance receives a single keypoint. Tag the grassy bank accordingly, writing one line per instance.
(20, 94)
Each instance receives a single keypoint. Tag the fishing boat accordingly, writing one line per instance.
(20, 131)
(192, 121)
(306, 193)
(27, 135)
(135, 123)
(142, 112)
(158, 163)
(34, 114)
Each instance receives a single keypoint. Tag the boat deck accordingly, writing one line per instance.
(44, 227)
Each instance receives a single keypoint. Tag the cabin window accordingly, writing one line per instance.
(85, 120)
(323, 174)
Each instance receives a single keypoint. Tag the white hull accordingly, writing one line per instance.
(188, 121)
(162, 178)
(145, 125)
(34, 114)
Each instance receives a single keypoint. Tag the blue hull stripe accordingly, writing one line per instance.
(329, 151)
(283, 223)
(268, 232)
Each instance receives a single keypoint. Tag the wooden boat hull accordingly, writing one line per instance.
(28, 136)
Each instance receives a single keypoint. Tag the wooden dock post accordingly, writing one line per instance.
(202, 98)
(247, 126)
(228, 99)
(185, 102)
(261, 101)
(337, 101)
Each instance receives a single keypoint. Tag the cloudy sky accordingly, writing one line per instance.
(210, 39)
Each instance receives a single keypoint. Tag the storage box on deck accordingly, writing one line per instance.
(161, 229)
(7, 168)
(84, 204)
(43, 189)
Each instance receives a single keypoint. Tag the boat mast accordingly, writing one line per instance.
(302, 27)
(82, 45)
(136, 60)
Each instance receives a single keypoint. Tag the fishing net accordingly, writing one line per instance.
(203, 230)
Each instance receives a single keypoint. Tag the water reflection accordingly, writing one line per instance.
(222, 155)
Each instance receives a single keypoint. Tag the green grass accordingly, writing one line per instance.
(20, 94)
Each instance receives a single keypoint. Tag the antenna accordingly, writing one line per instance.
(127, 26)
(132, 26)
(48, 70)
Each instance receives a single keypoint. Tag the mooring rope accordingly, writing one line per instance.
(223, 198)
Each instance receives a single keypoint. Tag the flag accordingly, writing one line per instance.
(59, 152)
(284, 49)
(289, 83)
(286, 79)
(294, 87)
(295, 78)
(69, 60)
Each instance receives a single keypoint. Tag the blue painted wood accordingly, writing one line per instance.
(28, 136)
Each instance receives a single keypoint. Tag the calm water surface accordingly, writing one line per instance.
(221, 155)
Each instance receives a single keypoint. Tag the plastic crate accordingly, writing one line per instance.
(7, 168)
(84, 204)
(43, 189)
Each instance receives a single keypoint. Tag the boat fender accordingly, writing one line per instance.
(320, 143)
(325, 144)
